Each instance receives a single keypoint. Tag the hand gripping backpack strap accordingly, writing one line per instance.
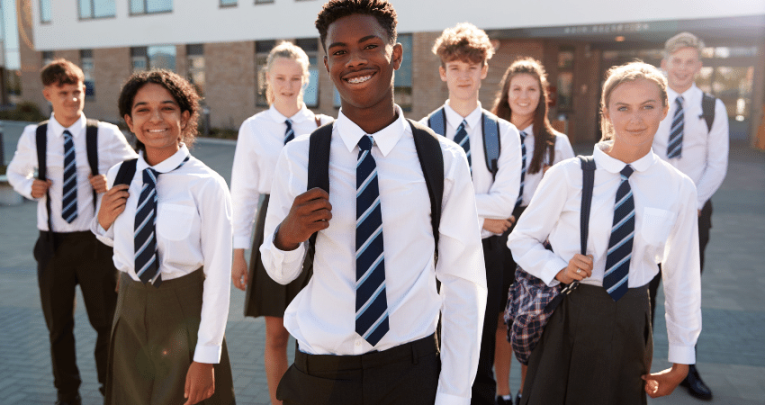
(432, 162)
(437, 121)
(491, 145)
(41, 141)
(708, 109)
(318, 166)
(588, 183)
(91, 137)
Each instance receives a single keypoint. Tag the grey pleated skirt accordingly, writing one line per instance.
(593, 351)
(154, 335)
(266, 297)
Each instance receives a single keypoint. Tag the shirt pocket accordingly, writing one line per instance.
(656, 225)
(174, 221)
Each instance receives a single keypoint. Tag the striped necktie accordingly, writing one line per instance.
(519, 201)
(69, 201)
(620, 245)
(675, 144)
(145, 243)
(461, 138)
(371, 300)
(289, 134)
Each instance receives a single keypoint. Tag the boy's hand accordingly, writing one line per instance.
(310, 212)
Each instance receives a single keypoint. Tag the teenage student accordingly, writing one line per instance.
(694, 139)
(597, 346)
(73, 154)
(492, 146)
(523, 100)
(261, 139)
(366, 321)
(168, 217)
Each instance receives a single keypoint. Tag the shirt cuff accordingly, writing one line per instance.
(700, 205)
(447, 399)
(682, 354)
(207, 354)
(552, 268)
(100, 232)
(241, 242)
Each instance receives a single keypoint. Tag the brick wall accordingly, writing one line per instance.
(230, 76)
(112, 67)
(31, 63)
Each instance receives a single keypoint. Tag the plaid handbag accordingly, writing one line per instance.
(531, 302)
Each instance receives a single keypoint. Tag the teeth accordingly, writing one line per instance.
(357, 80)
(156, 130)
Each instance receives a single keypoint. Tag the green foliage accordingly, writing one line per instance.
(24, 111)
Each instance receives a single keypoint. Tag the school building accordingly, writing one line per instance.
(221, 46)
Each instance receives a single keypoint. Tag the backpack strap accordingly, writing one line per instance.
(126, 172)
(491, 145)
(318, 164)
(41, 141)
(708, 109)
(432, 162)
(437, 121)
(91, 138)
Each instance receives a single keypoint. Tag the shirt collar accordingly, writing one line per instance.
(456, 119)
(385, 139)
(687, 95)
(529, 130)
(303, 114)
(58, 130)
(611, 165)
(167, 165)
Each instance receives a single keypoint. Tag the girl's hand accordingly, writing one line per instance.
(664, 382)
(200, 383)
(579, 268)
(112, 205)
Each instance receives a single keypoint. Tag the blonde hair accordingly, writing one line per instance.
(682, 40)
(629, 72)
(464, 42)
(289, 51)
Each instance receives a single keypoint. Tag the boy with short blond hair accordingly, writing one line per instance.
(494, 155)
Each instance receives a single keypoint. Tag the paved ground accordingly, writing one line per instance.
(731, 351)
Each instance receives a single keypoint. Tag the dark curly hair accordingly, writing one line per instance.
(182, 91)
(544, 134)
(333, 10)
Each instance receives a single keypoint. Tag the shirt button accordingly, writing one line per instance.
(358, 343)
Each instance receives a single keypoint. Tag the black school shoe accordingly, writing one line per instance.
(695, 385)
(75, 401)
(501, 401)
(518, 398)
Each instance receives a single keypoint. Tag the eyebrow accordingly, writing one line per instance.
(366, 38)
(140, 103)
(644, 102)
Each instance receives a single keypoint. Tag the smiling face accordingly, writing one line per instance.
(157, 121)
(523, 96)
(463, 79)
(286, 78)
(681, 67)
(67, 101)
(635, 110)
(360, 60)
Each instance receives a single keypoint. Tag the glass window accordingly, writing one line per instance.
(195, 58)
(150, 6)
(161, 57)
(86, 59)
(227, 2)
(47, 57)
(138, 59)
(46, 14)
(97, 8)
(311, 90)
(264, 1)
(262, 48)
(402, 83)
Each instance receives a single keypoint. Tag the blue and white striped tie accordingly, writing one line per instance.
(289, 134)
(519, 201)
(675, 144)
(371, 300)
(69, 201)
(145, 243)
(461, 138)
(615, 279)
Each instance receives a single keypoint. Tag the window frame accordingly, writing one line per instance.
(222, 5)
(146, 8)
(50, 19)
(93, 11)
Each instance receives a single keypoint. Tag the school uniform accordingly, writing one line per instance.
(593, 347)
(158, 331)
(261, 139)
(68, 254)
(562, 150)
(495, 198)
(334, 363)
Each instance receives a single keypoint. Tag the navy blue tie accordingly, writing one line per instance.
(523, 169)
(69, 201)
(615, 279)
(371, 300)
(145, 242)
(675, 143)
(289, 134)
(461, 138)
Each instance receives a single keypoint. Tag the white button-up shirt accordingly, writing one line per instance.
(666, 232)
(322, 315)
(261, 139)
(193, 230)
(494, 197)
(705, 153)
(563, 151)
(112, 149)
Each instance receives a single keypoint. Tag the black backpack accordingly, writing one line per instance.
(708, 109)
